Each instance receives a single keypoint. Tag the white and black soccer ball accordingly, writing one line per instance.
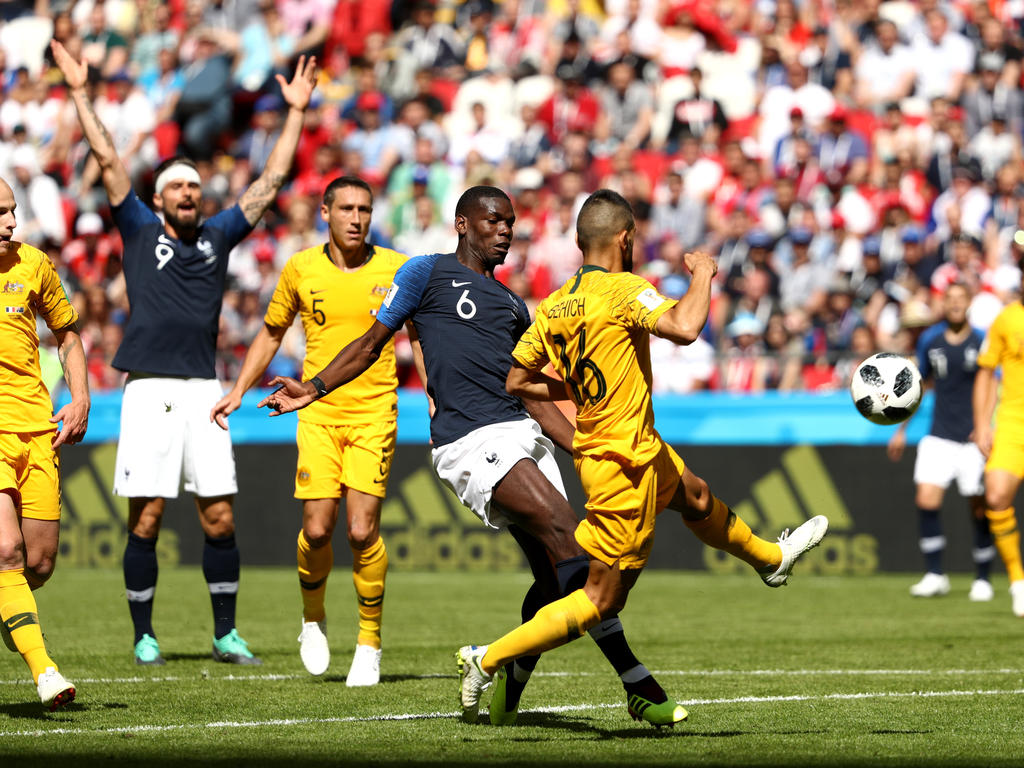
(886, 388)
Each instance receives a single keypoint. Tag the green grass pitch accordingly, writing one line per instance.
(826, 672)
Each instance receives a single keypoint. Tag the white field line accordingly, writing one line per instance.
(442, 715)
(660, 672)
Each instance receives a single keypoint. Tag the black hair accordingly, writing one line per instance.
(471, 198)
(604, 214)
(343, 182)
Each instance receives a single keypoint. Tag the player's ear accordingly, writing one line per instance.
(576, 237)
(461, 224)
(325, 213)
(158, 201)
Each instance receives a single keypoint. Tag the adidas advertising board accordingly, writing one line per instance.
(869, 502)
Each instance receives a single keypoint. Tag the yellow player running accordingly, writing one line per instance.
(30, 443)
(1003, 446)
(346, 440)
(595, 331)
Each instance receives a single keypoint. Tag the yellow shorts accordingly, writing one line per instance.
(622, 505)
(333, 458)
(1007, 450)
(31, 468)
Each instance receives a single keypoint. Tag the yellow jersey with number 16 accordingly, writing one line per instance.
(29, 288)
(337, 307)
(595, 330)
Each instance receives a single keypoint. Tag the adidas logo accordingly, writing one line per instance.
(790, 495)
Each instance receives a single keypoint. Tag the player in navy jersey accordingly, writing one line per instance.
(947, 355)
(175, 269)
(488, 446)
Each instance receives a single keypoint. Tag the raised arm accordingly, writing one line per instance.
(352, 361)
(112, 170)
(261, 193)
(683, 323)
(260, 353)
(73, 417)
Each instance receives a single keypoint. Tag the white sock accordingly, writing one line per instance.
(520, 674)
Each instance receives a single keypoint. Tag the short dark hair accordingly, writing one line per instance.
(604, 214)
(342, 182)
(471, 198)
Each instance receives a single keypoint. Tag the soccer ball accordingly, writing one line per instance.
(886, 388)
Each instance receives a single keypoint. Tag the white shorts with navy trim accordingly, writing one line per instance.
(167, 435)
(941, 461)
(475, 463)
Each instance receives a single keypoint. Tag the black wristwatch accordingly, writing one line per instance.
(319, 386)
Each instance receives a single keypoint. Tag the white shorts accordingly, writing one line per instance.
(475, 463)
(166, 432)
(940, 461)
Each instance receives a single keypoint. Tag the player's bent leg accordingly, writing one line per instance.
(537, 507)
(315, 559)
(716, 525)
(221, 569)
(140, 575)
(369, 572)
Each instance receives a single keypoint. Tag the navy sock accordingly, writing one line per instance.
(983, 551)
(932, 542)
(140, 572)
(221, 566)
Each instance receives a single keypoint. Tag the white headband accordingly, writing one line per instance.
(176, 172)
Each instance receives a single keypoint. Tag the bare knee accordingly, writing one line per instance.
(12, 551)
(609, 601)
(216, 517)
(362, 533)
(692, 498)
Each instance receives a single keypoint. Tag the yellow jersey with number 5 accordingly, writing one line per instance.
(29, 288)
(336, 308)
(595, 330)
(1004, 348)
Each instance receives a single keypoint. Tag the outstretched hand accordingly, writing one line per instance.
(76, 73)
(74, 420)
(290, 395)
(299, 91)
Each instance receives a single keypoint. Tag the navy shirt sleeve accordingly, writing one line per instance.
(406, 291)
(923, 362)
(232, 223)
(132, 214)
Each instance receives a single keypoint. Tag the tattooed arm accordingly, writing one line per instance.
(114, 175)
(74, 415)
(258, 197)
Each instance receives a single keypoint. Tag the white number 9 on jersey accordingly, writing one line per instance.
(465, 306)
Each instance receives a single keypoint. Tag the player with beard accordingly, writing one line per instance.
(488, 445)
(175, 269)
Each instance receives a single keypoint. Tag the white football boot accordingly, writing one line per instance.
(313, 649)
(931, 585)
(793, 545)
(365, 669)
(981, 591)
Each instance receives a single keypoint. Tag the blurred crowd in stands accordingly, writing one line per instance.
(845, 160)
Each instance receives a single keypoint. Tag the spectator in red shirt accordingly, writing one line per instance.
(571, 108)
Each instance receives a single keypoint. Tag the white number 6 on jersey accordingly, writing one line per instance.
(465, 306)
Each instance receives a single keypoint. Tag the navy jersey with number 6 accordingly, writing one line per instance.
(952, 368)
(175, 290)
(468, 326)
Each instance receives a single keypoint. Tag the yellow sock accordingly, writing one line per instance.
(369, 568)
(553, 625)
(1003, 525)
(723, 529)
(18, 613)
(314, 567)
